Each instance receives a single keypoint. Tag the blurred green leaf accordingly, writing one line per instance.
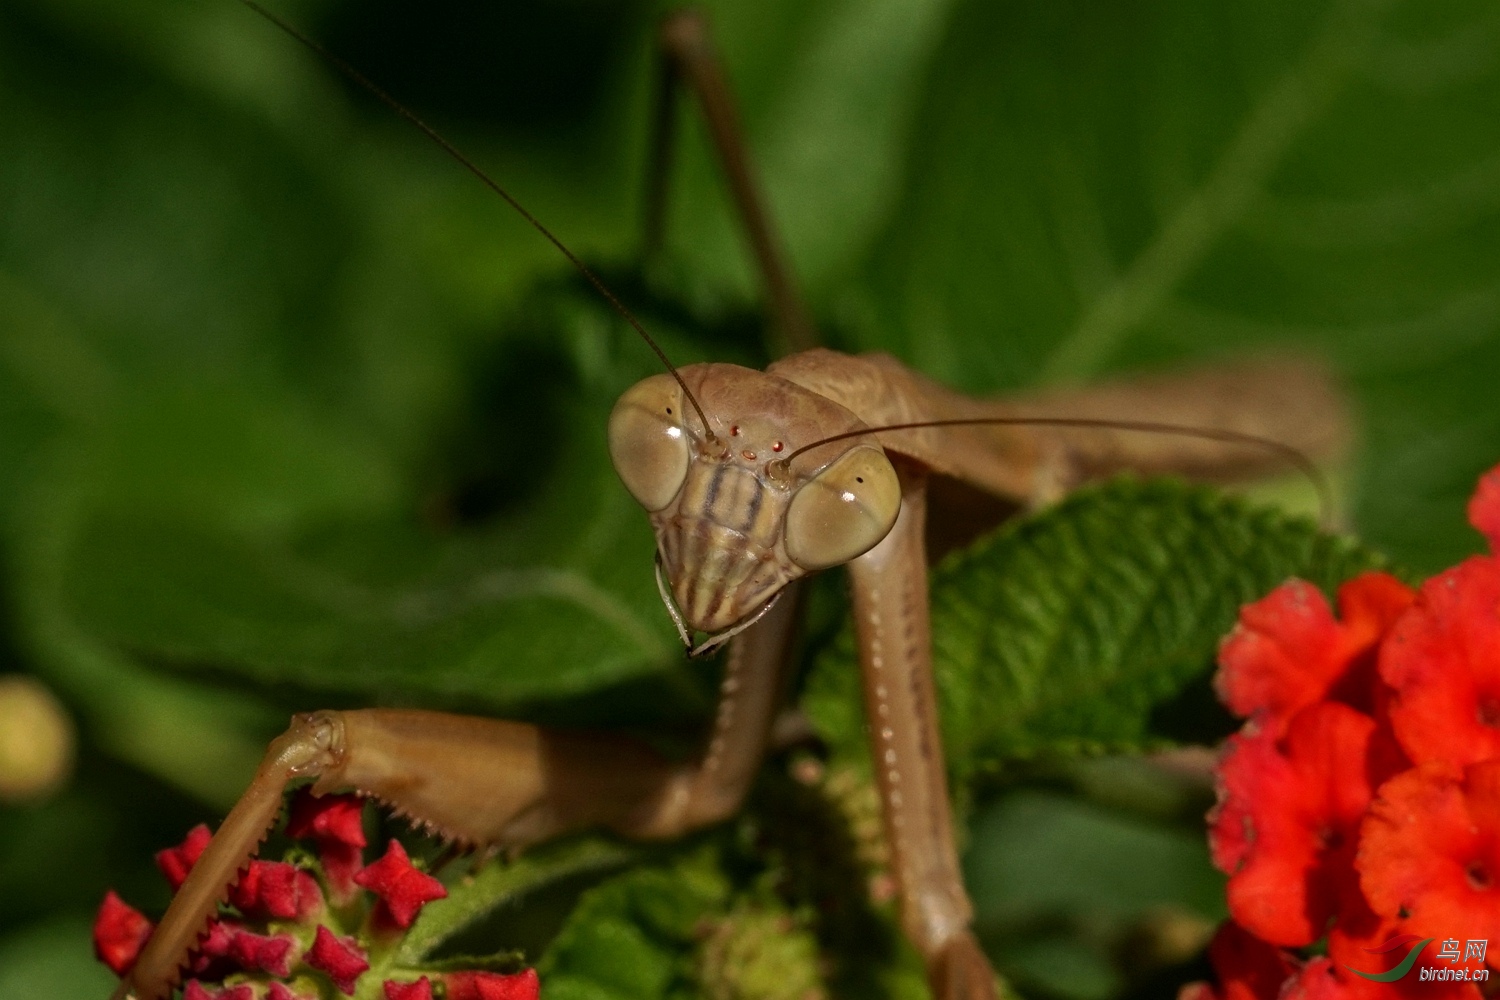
(1038, 855)
(1062, 632)
(631, 937)
(52, 960)
(829, 134)
(1059, 885)
(1093, 187)
(556, 601)
(1062, 966)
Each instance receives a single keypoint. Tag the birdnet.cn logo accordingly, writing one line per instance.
(1458, 956)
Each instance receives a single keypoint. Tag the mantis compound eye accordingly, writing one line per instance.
(647, 443)
(844, 511)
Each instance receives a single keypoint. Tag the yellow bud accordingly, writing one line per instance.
(37, 740)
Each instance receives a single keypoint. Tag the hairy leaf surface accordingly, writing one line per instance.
(1066, 631)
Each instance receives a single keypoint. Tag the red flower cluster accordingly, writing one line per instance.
(297, 928)
(1360, 804)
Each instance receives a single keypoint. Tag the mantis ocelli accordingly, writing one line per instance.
(752, 480)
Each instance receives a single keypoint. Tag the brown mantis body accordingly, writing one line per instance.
(747, 494)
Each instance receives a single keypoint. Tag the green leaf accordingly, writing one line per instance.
(1039, 855)
(1062, 888)
(479, 619)
(631, 938)
(52, 960)
(1063, 632)
(500, 884)
(1098, 187)
(829, 135)
(219, 534)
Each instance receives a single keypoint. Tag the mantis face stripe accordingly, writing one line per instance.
(732, 530)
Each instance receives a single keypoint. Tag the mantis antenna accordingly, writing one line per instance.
(1292, 456)
(437, 137)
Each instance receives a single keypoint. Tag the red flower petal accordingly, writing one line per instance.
(120, 931)
(228, 947)
(340, 957)
(211, 958)
(1362, 940)
(403, 890)
(1484, 508)
(1430, 851)
(1287, 651)
(1359, 929)
(419, 990)
(1327, 978)
(214, 942)
(280, 991)
(493, 986)
(176, 862)
(1248, 968)
(1322, 979)
(1369, 605)
(1443, 660)
(275, 890)
(1288, 815)
(195, 990)
(336, 824)
(337, 818)
(262, 953)
(308, 898)
(340, 864)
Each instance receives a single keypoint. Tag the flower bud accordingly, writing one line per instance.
(37, 740)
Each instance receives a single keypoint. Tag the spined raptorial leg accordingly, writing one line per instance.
(895, 652)
(485, 784)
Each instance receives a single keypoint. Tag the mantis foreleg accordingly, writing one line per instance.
(715, 787)
(895, 657)
(486, 784)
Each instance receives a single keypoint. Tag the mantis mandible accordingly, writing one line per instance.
(752, 480)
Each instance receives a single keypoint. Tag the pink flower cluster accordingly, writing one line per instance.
(294, 931)
(1359, 806)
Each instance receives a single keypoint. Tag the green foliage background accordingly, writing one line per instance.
(294, 414)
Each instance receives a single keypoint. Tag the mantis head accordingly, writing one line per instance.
(734, 521)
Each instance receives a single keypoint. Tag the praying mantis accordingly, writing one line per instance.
(752, 480)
